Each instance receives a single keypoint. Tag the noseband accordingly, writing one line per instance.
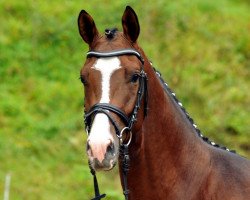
(128, 121)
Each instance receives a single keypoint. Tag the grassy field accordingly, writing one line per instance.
(202, 48)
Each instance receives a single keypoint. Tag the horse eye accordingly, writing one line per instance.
(83, 80)
(134, 78)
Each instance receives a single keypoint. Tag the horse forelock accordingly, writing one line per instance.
(108, 43)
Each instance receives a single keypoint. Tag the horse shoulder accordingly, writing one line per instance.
(228, 177)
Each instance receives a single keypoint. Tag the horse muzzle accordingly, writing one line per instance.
(102, 156)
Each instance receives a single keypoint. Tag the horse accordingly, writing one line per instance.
(133, 119)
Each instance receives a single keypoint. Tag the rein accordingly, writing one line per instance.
(128, 121)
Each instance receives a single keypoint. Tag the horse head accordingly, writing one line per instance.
(114, 83)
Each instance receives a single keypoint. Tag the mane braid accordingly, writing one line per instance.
(198, 131)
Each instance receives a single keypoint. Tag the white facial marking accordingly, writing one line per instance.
(100, 135)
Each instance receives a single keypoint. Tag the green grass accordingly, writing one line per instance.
(201, 47)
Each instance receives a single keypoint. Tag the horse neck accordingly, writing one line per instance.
(166, 128)
(167, 125)
(166, 142)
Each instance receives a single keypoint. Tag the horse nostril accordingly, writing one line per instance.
(111, 148)
(88, 146)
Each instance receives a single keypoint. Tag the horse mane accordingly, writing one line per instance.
(197, 130)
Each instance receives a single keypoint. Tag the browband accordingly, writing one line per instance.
(121, 52)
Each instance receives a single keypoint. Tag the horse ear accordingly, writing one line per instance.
(130, 24)
(87, 28)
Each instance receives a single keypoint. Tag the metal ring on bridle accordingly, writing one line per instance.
(121, 133)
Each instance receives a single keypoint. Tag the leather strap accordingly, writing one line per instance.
(105, 108)
(120, 52)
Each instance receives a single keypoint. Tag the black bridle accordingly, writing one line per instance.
(128, 121)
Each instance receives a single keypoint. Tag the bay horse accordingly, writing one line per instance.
(133, 118)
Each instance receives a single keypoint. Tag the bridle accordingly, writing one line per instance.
(106, 108)
(128, 121)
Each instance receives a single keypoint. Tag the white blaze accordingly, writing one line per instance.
(100, 131)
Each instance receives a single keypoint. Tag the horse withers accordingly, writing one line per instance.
(132, 118)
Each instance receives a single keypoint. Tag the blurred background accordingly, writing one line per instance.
(202, 48)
